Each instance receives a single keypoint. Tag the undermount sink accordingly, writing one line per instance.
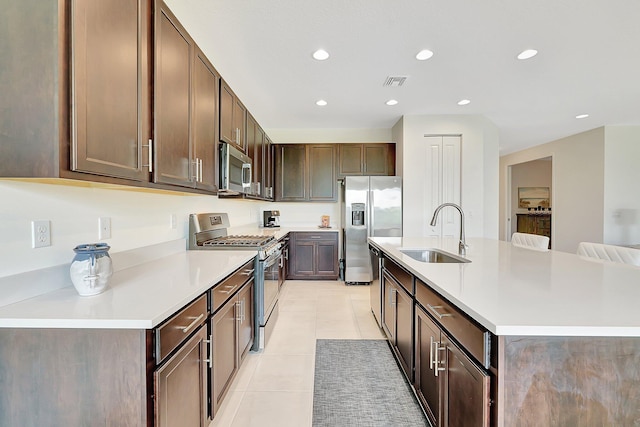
(433, 256)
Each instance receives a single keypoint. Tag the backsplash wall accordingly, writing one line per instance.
(138, 219)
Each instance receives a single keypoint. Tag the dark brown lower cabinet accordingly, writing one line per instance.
(454, 391)
(232, 332)
(313, 256)
(397, 321)
(181, 385)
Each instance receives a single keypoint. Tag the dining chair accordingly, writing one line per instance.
(609, 253)
(531, 241)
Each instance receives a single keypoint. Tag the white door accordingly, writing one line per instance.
(442, 183)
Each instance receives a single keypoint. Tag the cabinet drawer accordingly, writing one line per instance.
(324, 235)
(179, 327)
(225, 289)
(400, 274)
(471, 336)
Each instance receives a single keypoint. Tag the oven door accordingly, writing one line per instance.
(271, 282)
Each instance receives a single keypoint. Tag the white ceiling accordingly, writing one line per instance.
(588, 61)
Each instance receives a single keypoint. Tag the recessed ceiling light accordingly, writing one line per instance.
(526, 54)
(320, 54)
(321, 102)
(423, 55)
(391, 102)
(463, 102)
(582, 116)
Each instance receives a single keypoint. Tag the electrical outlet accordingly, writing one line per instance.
(40, 233)
(104, 228)
(173, 221)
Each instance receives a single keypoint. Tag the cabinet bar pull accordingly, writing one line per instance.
(433, 309)
(230, 288)
(150, 158)
(210, 359)
(200, 169)
(239, 309)
(431, 353)
(185, 329)
(438, 362)
(196, 174)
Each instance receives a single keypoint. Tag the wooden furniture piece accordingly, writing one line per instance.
(366, 159)
(313, 255)
(306, 173)
(532, 223)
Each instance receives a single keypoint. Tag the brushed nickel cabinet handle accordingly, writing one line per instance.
(439, 315)
(150, 155)
(210, 359)
(186, 329)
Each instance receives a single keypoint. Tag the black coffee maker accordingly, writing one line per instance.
(271, 218)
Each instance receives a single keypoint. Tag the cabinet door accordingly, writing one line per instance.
(227, 99)
(291, 173)
(225, 351)
(268, 168)
(303, 258)
(245, 327)
(181, 388)
(349, 160)
(258, 156)
(250, 142)
(389, 291)
(321, 162)
(172, 100)
(110, 81)
(240, 125)
(466, 391)
(205, 120)
(426, 383)
(327, 258)
(404, 330)
(376, 159)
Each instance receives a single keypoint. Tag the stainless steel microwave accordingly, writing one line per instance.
(235, 170)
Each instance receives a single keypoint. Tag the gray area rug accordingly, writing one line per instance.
(359, 383)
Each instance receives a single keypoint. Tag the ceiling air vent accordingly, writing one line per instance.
(395, 81)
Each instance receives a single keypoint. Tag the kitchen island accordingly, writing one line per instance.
(565, 330)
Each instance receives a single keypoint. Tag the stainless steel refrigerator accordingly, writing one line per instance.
(372, 208)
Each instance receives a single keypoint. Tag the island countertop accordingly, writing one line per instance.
(517, 291)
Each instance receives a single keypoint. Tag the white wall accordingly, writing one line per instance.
(479, 180)
(622, 179)
(578, 187)
(397, 135)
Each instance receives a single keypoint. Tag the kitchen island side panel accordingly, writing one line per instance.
(74, 377)
(569, 381)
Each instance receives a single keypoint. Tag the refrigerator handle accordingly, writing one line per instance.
(370, 212)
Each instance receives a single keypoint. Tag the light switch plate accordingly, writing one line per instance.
(173, 221)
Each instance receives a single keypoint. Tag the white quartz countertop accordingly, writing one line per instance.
(518, 291)
(139, 297)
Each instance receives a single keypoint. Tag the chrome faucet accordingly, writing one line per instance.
(462, 245)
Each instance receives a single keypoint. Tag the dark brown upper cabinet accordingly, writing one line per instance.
(366, 159)
(110, 88)
(306, 173)
(205, 122)
(185, 107)
(233, 118)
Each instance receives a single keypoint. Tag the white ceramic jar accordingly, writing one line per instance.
(91, 268)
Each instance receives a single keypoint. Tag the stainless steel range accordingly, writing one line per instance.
(208, 231)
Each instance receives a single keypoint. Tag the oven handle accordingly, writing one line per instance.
(272, 259)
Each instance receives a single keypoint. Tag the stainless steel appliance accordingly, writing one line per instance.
(235, 170)
(375, 294)
(208, 231)
(372, 208)
(271, 218)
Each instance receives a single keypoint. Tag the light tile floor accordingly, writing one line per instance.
(274, 388)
